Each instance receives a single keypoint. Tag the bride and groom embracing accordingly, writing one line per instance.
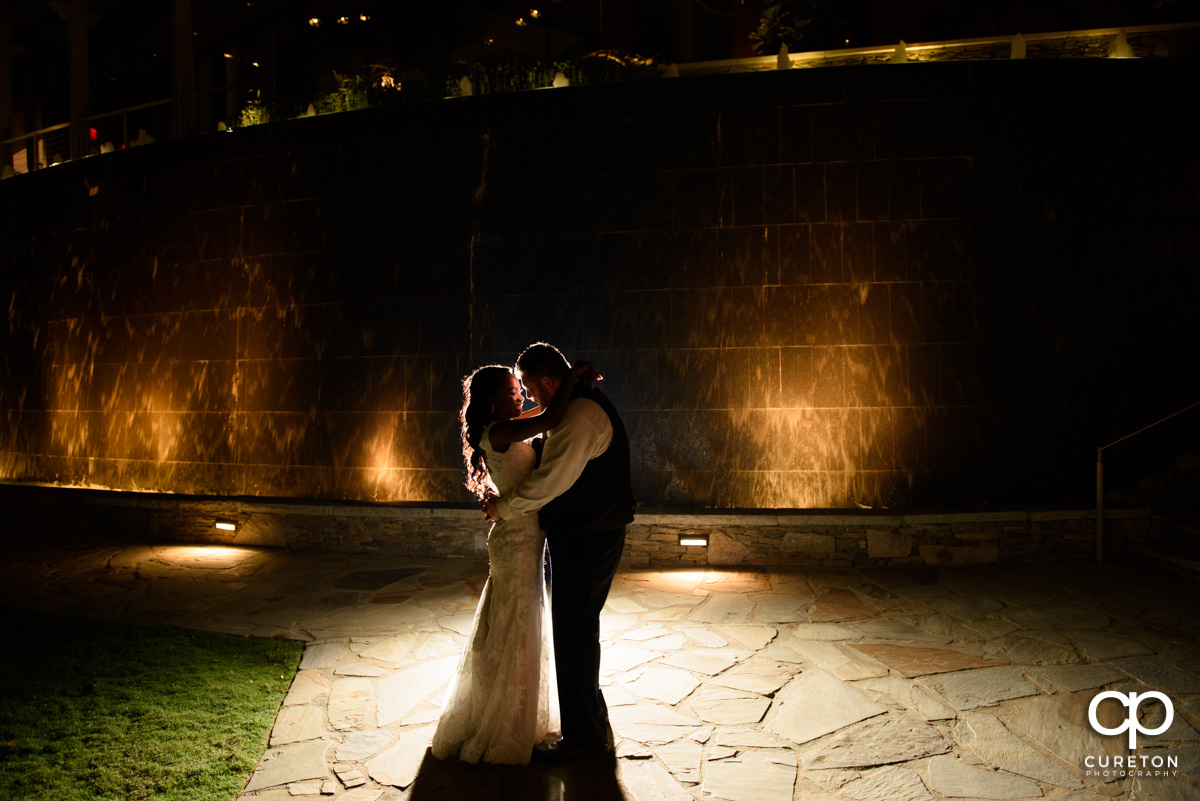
(572, 498)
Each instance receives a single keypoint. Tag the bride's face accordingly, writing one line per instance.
(507, 399)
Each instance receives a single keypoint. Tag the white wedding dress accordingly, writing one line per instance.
(504, 701)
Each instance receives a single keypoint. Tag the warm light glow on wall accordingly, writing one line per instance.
(799, 458)
(71, 434)
(795, 450)
(382, 460)
(165, 427)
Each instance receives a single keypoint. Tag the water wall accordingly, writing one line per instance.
(882, 286)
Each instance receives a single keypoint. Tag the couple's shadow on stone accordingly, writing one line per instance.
(593, 779)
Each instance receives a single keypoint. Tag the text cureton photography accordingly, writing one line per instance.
(1108, 766)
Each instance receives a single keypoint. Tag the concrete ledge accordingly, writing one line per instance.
(764, 518)
(749, 537)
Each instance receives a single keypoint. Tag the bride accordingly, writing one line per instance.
(503, 701)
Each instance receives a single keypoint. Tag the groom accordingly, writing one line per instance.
(582, 493)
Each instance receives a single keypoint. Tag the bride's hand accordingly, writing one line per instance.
(585, 370)
(490, 510)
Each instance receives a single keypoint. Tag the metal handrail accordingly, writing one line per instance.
(1100, 475)
(89, 118)
(123, 112)
(127, 109)
(38, 132)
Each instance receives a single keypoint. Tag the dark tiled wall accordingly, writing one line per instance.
(886, 285)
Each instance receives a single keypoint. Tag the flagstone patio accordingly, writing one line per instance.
(772, 685)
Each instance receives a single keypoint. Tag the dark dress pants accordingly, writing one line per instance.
(582, 567)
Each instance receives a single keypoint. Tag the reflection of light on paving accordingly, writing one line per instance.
(674, 579)
(215, 556)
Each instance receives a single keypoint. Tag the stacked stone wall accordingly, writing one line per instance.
(881, 540)
(751, 539)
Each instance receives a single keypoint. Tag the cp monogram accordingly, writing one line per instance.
(1132, 724)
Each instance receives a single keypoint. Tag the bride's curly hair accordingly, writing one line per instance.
(473, 418)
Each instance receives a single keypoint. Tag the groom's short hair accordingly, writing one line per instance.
(543, 360)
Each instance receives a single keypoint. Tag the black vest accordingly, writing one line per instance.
(601, 499)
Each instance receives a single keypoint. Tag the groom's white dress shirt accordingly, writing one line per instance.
(584, 433)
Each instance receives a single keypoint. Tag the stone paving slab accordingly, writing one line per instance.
(758, 674)
(1157, 674)
(954, 778)
(774, 776)
(924, 703)
(1058, 724)
(970, 689)
(992, 741)
(1099, 645)
(845, 663)
(821, 685)
(884, 740)
(715, 704)
(796, 717)
(910, 661)
(890, 782)
(1073, 678)
(291, 763)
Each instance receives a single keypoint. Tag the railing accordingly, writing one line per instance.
(125, 113)
(52, 144)
(921, 51)
(122, 128)
(39, 150)
(1100, 475)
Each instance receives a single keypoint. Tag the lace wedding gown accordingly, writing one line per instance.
(503, 701)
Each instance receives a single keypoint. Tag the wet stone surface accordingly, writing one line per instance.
(780, 684)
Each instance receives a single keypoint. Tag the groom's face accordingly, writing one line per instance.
(539, 389)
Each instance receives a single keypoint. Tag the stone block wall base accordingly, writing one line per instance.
(753, 538)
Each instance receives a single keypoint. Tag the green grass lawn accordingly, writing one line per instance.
(93, 709)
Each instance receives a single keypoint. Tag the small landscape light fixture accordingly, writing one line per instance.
(225, 524)
(698, 540)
